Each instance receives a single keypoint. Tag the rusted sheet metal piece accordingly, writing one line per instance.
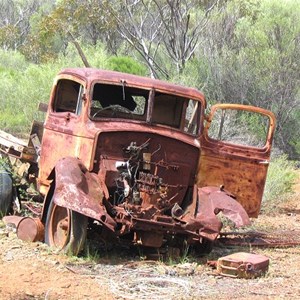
(261, 239)
(80, 190)
(30, 229)
(222, 201)
(12, 220)
(213, 200)
(243, 265)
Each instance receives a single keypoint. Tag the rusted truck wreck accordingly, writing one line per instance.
(137, 158)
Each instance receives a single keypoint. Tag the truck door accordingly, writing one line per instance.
(63, 124)
(235, 152)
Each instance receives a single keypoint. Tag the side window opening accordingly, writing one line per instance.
(192, 117)
(239, 127)
(68, 96)
(167, 110)
(177, 112)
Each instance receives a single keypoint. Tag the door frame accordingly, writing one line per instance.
(240, 169)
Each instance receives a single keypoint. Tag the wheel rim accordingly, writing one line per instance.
(59, 227)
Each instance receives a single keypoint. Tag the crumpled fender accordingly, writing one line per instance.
(80, 190)
(211, 201)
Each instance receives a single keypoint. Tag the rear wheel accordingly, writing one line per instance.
(65, 229)
(6, 193)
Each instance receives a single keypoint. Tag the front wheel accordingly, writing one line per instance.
(65, 229)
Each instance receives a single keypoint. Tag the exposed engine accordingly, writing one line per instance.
(150, 181)
(139, 188)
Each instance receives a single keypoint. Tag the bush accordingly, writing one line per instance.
(126, 64)
(21, 91)
(279, 186)
(23, 85)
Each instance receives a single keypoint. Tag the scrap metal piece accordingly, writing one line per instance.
(243, 265)
(30, 229)
(222, 201)
(12, 220)
(80, 190)
(275, 239)
(213, 200)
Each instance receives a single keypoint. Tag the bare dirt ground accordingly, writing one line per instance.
(34, 271)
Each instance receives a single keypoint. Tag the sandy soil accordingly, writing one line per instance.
(34, 271)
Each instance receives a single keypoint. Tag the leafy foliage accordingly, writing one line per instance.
(125, 64)
(252, 56)
(24, 85)
(280, 180)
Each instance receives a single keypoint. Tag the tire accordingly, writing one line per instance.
(65, 229)
(6, 193)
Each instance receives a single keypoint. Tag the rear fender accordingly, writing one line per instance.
(81, 191)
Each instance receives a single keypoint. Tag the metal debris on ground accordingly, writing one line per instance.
(27, 228)
(279, 238)
(243, 265)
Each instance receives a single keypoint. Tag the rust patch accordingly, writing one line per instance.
(80, 190)
(212, 200)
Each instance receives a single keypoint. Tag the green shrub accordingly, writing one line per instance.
(95, 55)
(279, 185)
(125, 64)
(21, 91)
(23, 85)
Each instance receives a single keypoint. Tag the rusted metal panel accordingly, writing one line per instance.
(244, 179)
(239, 169)
(80, 190)
(212, 201)
(243, 265)
(65, 145)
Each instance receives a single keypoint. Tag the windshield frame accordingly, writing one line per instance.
(147, 117)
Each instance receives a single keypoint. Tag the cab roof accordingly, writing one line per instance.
(91, 74)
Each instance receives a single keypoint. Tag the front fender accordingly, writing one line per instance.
(211, 201)
(81, 191)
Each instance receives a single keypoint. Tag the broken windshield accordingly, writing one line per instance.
(123, 102)
(115, 101)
